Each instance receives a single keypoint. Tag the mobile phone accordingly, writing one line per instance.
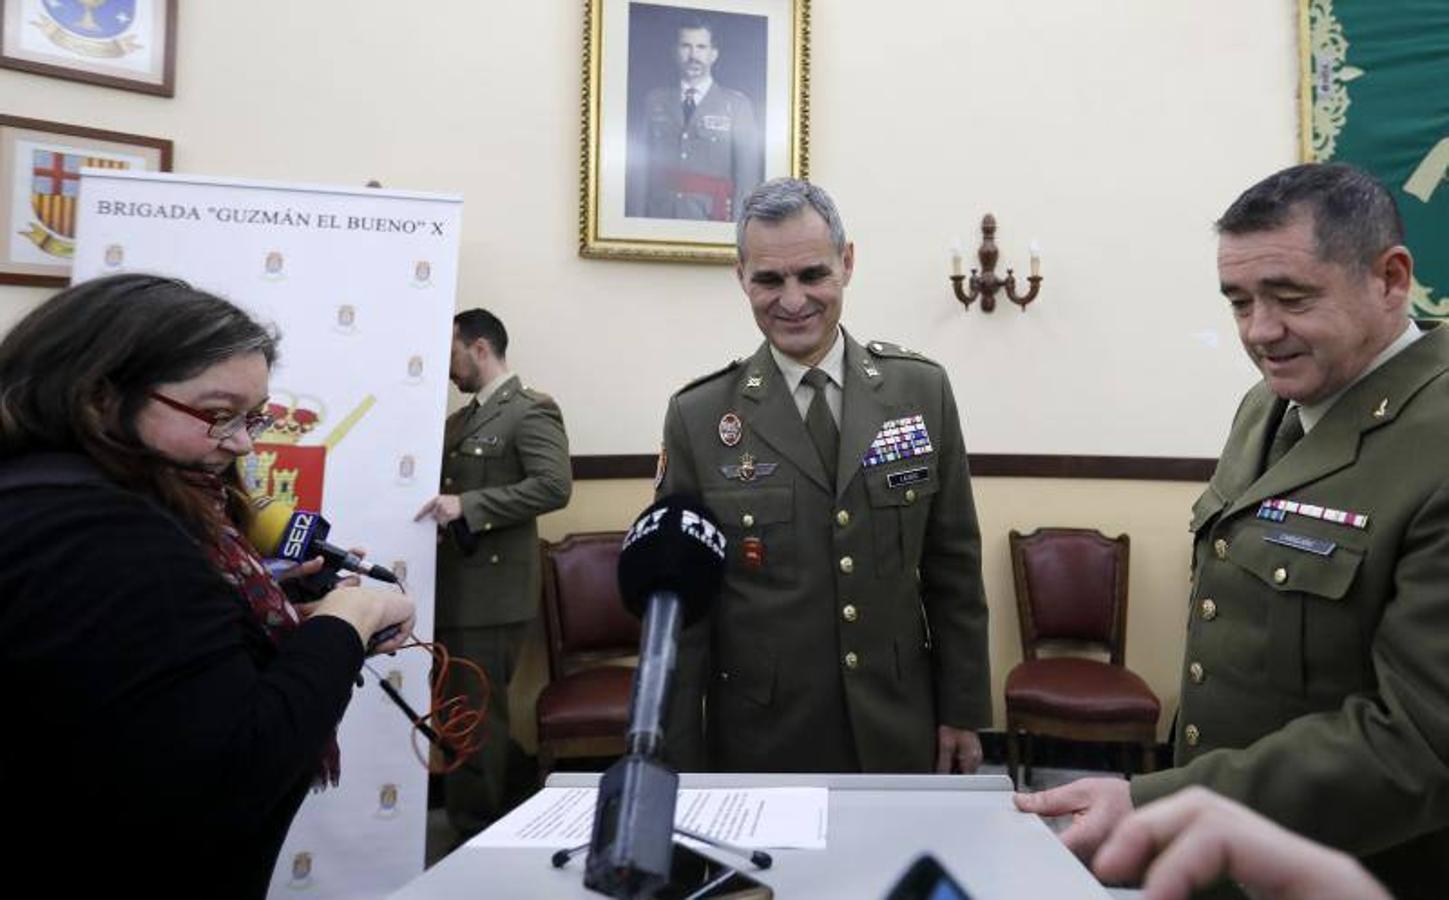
(927, 879)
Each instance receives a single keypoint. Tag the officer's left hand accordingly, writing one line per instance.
(957, 750)
(442, 509)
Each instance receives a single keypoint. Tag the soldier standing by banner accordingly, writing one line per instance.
(505, 462)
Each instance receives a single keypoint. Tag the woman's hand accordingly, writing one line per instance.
(369, 610)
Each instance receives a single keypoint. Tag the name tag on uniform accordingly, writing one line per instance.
(1317, 546)
(907, 476)
(715, 123)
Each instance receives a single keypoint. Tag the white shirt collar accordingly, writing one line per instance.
(699, 90)
(491, 388)
(833, 364)
(1313, 413)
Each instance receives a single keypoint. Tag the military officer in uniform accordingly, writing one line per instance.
(1316, 679)
(850, 635)
(700, 150)
(505, 462)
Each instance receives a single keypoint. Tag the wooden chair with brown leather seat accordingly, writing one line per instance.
(1071, 592)
(591, 638)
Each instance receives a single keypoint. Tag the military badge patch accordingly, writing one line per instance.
(748, 469)
(898, 439)
(731, 429)
(1277, 510)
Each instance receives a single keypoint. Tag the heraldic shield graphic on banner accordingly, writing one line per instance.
(280, 466)
(55, 181)
(90, 27)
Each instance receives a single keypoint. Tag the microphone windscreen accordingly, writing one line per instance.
(269, 525)
(675, 545)
(282, 531)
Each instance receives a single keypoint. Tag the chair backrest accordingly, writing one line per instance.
(584, 619)
(1071, 585)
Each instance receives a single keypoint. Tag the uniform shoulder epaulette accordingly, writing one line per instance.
(887, 350)
(535, 394)
(735, 364)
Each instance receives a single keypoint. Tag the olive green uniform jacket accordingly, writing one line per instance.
(852, 620)
(702, 169)
(509, 462)
(1316, 678)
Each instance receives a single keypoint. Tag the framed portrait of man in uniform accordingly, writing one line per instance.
(688, 106)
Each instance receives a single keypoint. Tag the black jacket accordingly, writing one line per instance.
(154, 738)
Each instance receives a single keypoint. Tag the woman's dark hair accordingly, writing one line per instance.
(76, 372)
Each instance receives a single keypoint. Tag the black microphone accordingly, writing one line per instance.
(281, 531)
(670, 568)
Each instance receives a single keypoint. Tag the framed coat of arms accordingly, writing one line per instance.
(126, 44)
(40, 165)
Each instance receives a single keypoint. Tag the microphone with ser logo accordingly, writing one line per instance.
(282, 531)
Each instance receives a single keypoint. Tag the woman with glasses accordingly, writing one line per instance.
(166, 707)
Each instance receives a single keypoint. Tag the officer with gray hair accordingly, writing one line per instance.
(850, 635)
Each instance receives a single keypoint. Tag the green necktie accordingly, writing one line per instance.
(1290, 431)
(821, 424)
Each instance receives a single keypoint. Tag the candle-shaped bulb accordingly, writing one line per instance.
(956, 256)
(1035, 249)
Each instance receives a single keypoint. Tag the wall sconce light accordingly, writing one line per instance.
(985, 285)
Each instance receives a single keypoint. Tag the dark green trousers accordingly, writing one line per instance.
(475, 799)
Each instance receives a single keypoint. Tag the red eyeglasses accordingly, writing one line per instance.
(222, 425)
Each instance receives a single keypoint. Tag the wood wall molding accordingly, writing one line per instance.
(983, 465)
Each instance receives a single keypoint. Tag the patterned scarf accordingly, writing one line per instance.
(242, 568)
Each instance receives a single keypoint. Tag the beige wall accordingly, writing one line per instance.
(1114, 131)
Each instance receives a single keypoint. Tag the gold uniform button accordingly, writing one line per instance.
(1220, 548)
(1209, 609)
(1192, 735)
(1195, 672)
(493, 559)
(1280, 575)
(852, 661)
(448, 481)
(477, 451)
(487, 526)
(847, 565)
(842, 518)
(910, 495)
(849, 613)
(747, 520)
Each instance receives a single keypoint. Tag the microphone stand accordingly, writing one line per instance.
(758, 858)
(634, 851)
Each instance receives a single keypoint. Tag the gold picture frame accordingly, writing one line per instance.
(661, 175)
